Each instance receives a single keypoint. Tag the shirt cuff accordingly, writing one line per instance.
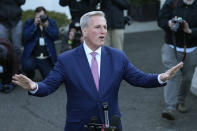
(159, 80)
(35, 90)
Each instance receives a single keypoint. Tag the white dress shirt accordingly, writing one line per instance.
(89, 56)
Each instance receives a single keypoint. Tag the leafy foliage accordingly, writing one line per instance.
(60, 18)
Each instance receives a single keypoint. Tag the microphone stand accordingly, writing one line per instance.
(105, 109)
(94, 126)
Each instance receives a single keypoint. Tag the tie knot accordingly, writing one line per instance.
(93, 54)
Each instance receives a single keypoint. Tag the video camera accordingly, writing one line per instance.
(78, 34)
(178, 24)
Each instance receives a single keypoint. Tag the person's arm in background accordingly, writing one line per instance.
(64, 2)
(29, 30)
(165, 15)
(122, 4)
(20, 2)
(192, 31)
(50, 29)
(93, 3)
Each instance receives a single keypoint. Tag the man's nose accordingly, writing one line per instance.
(103, 30)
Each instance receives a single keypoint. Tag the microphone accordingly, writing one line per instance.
(93, 119)
(115, 123)
(93, 125)
(93, 122)
(105, 109)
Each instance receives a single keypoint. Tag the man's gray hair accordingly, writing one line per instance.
(84, 21)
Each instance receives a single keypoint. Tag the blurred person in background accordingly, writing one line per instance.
(39, 35)
(73, 37)
(11, 24)
(8, 65)
(78, 7)
(116, 21)
(178, 19)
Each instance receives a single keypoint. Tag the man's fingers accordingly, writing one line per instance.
(18, 83)
(171, 72)
(21, 80)
(176, 68)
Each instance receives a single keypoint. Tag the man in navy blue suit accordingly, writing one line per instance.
(92, 74)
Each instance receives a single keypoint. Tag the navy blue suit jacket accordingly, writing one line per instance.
(83, 99)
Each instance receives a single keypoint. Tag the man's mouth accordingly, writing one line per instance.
(102, 38)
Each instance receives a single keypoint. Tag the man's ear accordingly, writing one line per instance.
(84, 32)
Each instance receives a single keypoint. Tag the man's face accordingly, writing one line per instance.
(95, 33)
(72, 33)
(37, 15)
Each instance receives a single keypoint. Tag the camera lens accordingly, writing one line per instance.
(43, 18)
(177, 24)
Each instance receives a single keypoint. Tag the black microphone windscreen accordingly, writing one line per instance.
(115, 121)
(94, 119)
(105, 106)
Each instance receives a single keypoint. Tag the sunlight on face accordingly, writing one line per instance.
(95, 32)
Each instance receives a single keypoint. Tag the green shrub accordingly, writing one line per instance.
(60, 18)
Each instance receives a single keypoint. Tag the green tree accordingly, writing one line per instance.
(60, 18)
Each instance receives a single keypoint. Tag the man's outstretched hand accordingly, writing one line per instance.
(24, 82)
(171, 72)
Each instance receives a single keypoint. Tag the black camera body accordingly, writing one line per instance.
(127, 20)
(77, 38)
(178, 24)
(43, 18)
(78, 34)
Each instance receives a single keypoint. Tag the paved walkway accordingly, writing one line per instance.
(142, 27)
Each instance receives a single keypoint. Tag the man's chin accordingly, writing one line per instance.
(102, 43)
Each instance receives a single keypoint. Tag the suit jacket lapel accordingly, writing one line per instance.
(86, 71)
(105, 71)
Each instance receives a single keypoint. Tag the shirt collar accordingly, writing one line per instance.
(88, 50)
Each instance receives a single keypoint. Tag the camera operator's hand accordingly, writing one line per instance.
(37, 21)
(45, 24)
(171, 23)
(186, 28)
(41, 19)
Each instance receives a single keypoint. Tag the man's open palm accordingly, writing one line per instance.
(171, 72)
(24, 82)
